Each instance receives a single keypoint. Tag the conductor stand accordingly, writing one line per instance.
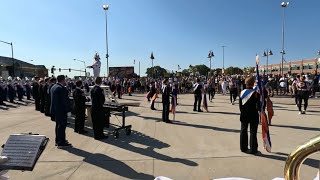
(119, 126)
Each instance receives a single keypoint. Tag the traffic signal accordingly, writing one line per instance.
(59, 69)
(52, 70)
(69, 70)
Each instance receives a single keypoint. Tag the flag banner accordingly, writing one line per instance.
(263, 117)
(155, 96)
(270, 110)
(147, 95)
(265, 132)
(173, 104)
(205, 102)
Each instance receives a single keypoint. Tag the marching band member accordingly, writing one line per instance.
(98, 113)
(249, 103)
(42, 95)
(51, 84)
(46, 97)
(165, 101)
(35, 92)
(197, 91)
(19, 88)
(11, 90)
(80, 108)
(28, 88)
(151, 93)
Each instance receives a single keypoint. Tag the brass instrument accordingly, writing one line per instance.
(296, 158)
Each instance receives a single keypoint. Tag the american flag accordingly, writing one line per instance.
(205, 102)
(264, 122)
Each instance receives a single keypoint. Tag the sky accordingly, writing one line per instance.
(178, 32)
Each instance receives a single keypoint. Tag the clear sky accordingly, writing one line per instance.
(179, 32)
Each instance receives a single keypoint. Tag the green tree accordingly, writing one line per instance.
(249, 70)
(157, 71)
(199, 69)
(185, 72)
(233, 70)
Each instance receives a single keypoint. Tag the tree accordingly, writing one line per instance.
(199, 69)
(249, 70)
(157, 71)
(233, 70)
(185, 72)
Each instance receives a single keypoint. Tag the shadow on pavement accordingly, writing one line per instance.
(297, 127)
(283, 157)
(205, 127)
(109, 164)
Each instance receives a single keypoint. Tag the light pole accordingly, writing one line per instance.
(283, 5)
(84, 63)
(105, 8)
(267, 54)
(223, 58)
(13, 69)
(210, 56)
(318, 62)
(139, 69)
(152, 58)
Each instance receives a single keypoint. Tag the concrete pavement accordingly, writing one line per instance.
(197, 146)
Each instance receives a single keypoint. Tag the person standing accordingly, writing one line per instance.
(35, 92)
(165, 101)
(303, 88)
(211, 89)
(80, 108)
(152, 92)
(53, 81)
(97, 111)
(19, 88)
(249, 114)
(46, 97)
(197, 91)
(28, 89)
(11, 91)
(294, 87)
(233, 90)
(42, 95)
(60, 108)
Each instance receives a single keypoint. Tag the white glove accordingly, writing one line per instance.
(69, 114)
(3, 159)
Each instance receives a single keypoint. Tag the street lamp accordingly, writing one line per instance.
(223, 58)
(267, 54)
(152, 58)
(13, 70)
(283, 5)
(318, 62)
(105, 8)
(210, 56)
(84, 63)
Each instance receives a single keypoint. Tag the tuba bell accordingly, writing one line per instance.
(297, 157)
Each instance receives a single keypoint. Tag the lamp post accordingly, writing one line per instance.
(267, 54)
(13, 69)
(152, 58)
(223, 58)
(84, 63)
(210, 56)
(283, 5)
(318, 62)
(105, 8)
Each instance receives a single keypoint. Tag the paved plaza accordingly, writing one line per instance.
(199, 146)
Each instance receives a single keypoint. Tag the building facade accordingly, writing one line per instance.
(21, 69)
(309, 66)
